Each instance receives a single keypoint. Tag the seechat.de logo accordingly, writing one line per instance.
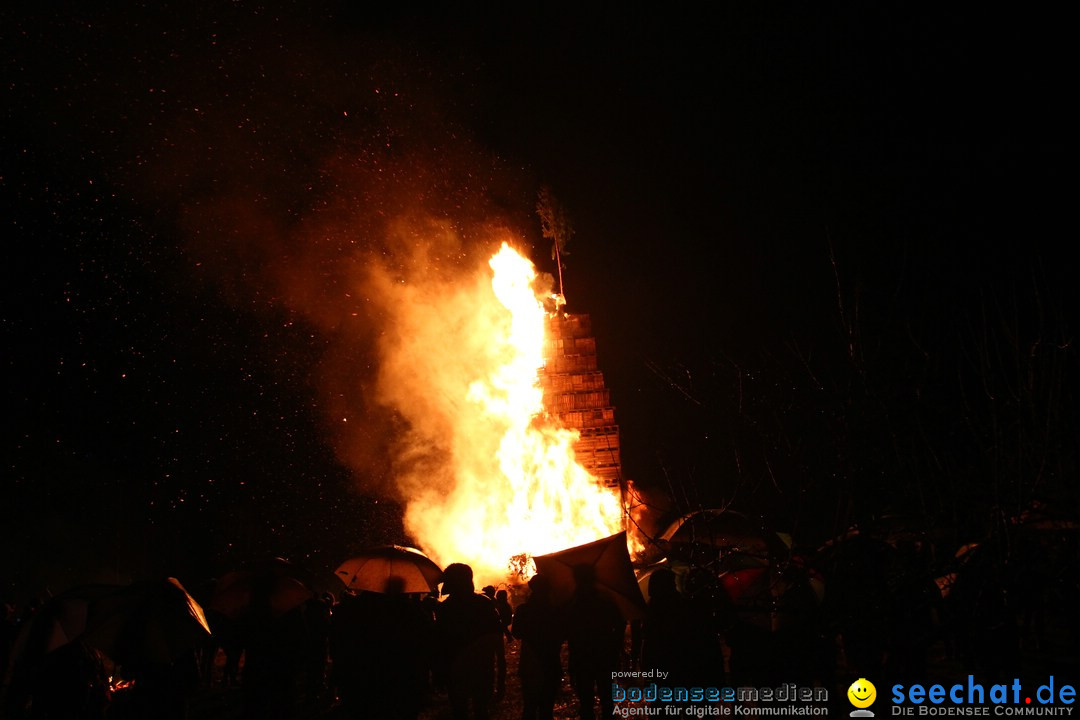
(975, 699)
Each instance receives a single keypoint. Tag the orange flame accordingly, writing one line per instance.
(488, 474)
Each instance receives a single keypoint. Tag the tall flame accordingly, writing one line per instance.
(505, 481)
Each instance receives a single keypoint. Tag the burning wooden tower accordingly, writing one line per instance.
(574, 392)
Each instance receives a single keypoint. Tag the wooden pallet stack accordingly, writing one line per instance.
(574, 393)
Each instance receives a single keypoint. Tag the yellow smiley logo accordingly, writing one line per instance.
(862, 693)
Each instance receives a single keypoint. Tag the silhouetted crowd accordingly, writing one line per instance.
(392, 654)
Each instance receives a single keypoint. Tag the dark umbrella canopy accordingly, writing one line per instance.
(390, 569)
(60, 620)
(722, 531)
(614, 572)
(276, 587)
(747, 583)
(152, 621)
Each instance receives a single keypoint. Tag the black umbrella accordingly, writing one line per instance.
(153, 621)
(277, 587)
(722, 531)
(145, 621)
(613, 570)
(59, 621)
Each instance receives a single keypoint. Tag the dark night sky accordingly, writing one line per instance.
(163, 401)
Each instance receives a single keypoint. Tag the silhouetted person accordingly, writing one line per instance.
(430, 604)
(317, 612)
(595, 631)
(858, 604)
(273, 652)
(9, 630)
(470, 645)
(801, 651)
(506, 613)
(668, 630)
(347, 631)
(915, 600)
(538, 624)
(988, 637)
(714, 615)
(395, 634)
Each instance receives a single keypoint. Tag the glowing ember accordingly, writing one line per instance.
(501, 476)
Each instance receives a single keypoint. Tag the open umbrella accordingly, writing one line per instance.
(745, 577)
(723, 531)
(60, 620)
(611, 564)
(154, 621)
(277, 587)
(145, 621)
(390, 569)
